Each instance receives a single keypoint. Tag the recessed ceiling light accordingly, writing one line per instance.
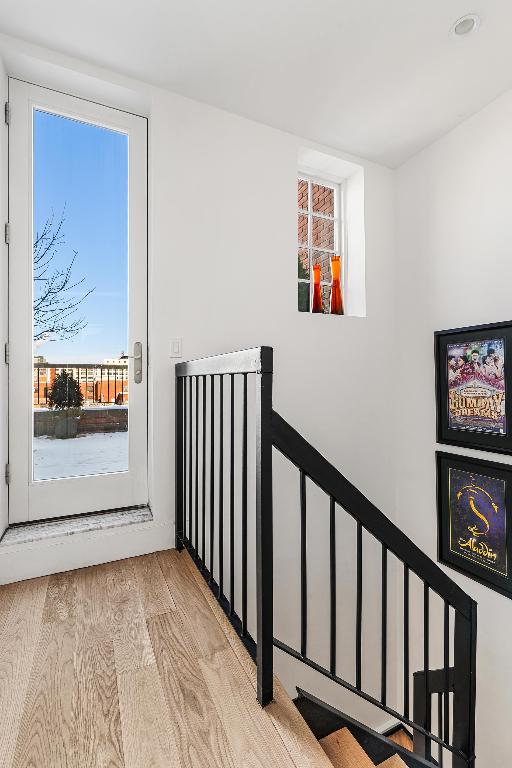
(465, 25)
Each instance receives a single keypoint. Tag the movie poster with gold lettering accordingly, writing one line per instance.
(478, 522)
(476, 386)
(474, 518)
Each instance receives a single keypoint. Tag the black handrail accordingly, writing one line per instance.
(296, 448)
(458, 680)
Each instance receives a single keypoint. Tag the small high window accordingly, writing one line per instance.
(320, 256)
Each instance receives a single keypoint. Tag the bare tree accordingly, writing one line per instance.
(56, 298)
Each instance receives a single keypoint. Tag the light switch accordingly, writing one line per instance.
(175, 347)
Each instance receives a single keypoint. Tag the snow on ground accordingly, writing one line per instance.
(94, 454)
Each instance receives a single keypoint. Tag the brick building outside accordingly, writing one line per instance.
(103, 383)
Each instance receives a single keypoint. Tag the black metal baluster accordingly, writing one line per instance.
(212, 474)
(464, 687)
(244, 510)
(406, 641)
(221, 485)
(178, 450)
(332, 542)
(446, 662)
(384, 625)
(197, 470)
(190, 488)
(232, 497)
(426, 662)
(203, 551)
(38, 398)
(359, 604)
(440, 726)
(303, 568)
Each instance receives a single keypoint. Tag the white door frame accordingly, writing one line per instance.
(28, 499)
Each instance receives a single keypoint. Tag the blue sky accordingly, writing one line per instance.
(82, 169)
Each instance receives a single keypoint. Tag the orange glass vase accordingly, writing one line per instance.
(336, 297)
(316, 304)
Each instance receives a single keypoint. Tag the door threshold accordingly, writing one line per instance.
(40, 530)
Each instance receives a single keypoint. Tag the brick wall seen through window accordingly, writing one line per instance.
(318, 241)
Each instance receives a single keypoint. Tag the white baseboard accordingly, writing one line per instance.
(41, 558)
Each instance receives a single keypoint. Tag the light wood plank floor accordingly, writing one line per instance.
(133, 665)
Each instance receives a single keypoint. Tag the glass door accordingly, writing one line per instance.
(78, 306)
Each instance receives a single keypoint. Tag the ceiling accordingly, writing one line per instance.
(378, 79)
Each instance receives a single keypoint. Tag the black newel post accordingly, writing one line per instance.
(264, 533)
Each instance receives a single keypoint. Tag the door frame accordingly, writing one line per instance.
(136, 490)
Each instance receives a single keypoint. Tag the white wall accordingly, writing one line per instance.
(455, 269)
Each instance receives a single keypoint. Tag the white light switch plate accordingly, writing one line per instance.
(176, 347)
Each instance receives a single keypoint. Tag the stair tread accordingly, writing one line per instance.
(393, 762)
(402, 738)
(344, 751)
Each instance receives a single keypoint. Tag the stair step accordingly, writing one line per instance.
(402, 738)
(344, 751)
(393, 762)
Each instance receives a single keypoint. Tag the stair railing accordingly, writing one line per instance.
(454, 683)
(439, 684)
(199, 529)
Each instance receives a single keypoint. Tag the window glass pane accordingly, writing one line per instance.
(303, 297)
(302, 196)
(80, 282)
(302, 229)
(323, 199)
(303, 264)
(322, 235)
(324, 259)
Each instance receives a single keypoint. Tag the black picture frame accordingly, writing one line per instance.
(485, 556)
(485, 437)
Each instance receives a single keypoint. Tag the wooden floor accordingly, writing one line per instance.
(132, 664)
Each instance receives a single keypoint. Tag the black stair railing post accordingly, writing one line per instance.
(178, 461)
(264, 533)
(420, 696)
(464, 688)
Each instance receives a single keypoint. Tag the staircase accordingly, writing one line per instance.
(212, 405)
(349, 743)
(344, 751)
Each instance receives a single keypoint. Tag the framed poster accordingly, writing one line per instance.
(474, 502)
(474, 387)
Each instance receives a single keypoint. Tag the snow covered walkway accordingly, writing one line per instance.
(94, 454)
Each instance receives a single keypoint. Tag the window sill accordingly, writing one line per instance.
(49, 529)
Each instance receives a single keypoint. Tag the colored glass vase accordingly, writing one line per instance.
(336, 307)
(316, 303)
